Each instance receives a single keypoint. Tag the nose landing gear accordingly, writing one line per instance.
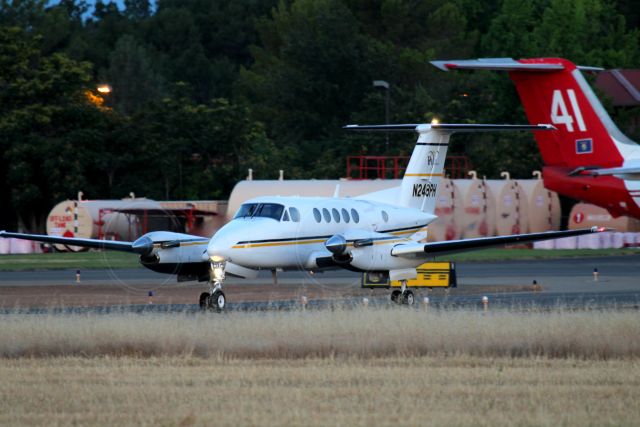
(214, 299)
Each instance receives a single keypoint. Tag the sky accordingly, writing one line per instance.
(91, 4)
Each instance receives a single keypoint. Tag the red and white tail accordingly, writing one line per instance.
(553, 90)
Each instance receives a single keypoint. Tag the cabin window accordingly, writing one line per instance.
(385, 216)
(295, 214)
(316, 214)
(336, 215)
(285, 217)
(355, 216)
(326, 214)
(260, 210)
(345, 215)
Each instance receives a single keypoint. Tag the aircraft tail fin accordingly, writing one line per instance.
(554, 90)
(426, 165)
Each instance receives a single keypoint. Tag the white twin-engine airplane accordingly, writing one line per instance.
(377, 232)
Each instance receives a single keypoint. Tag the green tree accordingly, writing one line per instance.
(132, 76)
(199, 151)
(37, 93)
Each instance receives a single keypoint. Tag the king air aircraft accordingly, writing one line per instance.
(381, 232)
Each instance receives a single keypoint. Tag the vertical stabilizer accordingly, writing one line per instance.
(553, 90)
(425, 170)
(426, 166)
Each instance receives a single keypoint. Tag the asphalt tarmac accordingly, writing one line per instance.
(566, 282)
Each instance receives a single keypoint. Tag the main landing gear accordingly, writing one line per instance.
(215, 299)
(403, 296)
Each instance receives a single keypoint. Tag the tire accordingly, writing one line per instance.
(408, 298)
(204, 300)
(395, 296)
(218, 301)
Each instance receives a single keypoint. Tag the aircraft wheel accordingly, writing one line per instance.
(395, 296)
(217, 301)
(204, 300)
(408, 298)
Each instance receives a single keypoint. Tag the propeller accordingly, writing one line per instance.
(142, 246)
(336, 244)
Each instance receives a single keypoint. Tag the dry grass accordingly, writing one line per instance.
(346, 367)
(363, 333)
(186, 391)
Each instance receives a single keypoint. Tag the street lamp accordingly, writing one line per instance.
(384, 84)
(104, 89)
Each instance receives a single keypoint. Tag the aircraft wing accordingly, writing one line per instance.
(414, 249)
(72, 241)
(143, 246)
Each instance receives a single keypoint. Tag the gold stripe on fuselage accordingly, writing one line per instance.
(267, 244)
(311, 241)
(305, 242)
(201, 242)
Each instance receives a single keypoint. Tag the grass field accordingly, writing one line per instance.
(362, 332)
(112, 259)
(436, 390)
(343, 367)
(69, 260)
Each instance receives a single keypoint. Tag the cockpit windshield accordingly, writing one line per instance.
(260, 210)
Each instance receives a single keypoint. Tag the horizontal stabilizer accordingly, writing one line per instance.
(450, 127)
(504, 64)
(612, 171)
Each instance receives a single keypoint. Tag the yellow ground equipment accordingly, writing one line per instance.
(430, 275)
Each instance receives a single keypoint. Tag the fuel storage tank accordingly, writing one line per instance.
(542, 205)
(248, 189)
(511, 205)
(586, 215)
(105, 219)
(449, 212)
(478, 217)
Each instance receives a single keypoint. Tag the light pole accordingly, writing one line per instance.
(384, 84)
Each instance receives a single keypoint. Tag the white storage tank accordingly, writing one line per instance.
(542, 205)
(586, 215)
(478, 217)
(511, 206)
(449, 212)
(103, 219)
(245, 190)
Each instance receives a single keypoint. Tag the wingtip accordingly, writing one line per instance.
(596, 229)
(442, 65)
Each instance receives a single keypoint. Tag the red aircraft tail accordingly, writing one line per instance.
(553, 90)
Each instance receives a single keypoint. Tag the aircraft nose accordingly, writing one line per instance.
(221, 243)
(217, 247)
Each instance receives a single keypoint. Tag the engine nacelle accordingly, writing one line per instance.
(377, 257)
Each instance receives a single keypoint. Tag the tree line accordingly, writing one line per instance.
(204, 89)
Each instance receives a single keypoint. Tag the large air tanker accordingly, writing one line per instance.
(587, 158)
